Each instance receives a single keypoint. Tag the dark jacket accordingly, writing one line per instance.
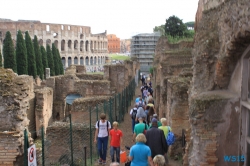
(156, 141)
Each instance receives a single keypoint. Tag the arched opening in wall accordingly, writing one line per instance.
(81, 36)
(47, 28)
(68, 27)
(41, 42)
(99, 61)
(63, 45)
(86, 45)
(63, 61)
(69, 100)
(69, 61)
(75, 60)
(75, 45)
(81, 61)
(56, 43)
(95, 60)
(81, 45)
(48, 42)
(80, 30)
(94, 45)
(87, 60)
(62, 27)
(69, 44)
(91, 60)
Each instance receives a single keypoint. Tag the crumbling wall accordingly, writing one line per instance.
(58, 149)
(222, 35)
(90, 76)
(15, 96)
(43, 110)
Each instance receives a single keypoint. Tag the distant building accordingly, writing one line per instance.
(125, 46)
(143, 47)
(113, 43)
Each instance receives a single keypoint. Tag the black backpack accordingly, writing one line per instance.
(107, 126)
(134, 113)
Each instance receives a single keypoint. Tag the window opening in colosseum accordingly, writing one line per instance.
(68, 27)
(81, 36)
(95, 60)
(62, 27)
(40, 42)
(56, 43)
(81, 45)
(75, 44)
(86, 45)
(99, 60)
(69, 61)
(47, 28)
(55, 35)
(63, 62)
(48, 42)
(63, 45)
(69, 44)
(91, 60)
(75, 60)
(81, 61)
(80, 30)
(87, 60)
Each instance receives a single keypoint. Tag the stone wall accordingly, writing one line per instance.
(58, 149)
(16, 106)
(222, 35)
(43, 110)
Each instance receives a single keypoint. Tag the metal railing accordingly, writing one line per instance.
(75, 146)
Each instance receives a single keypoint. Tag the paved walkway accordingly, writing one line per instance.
(126, 128)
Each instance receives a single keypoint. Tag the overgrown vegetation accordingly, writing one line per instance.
(9, 53)
(175, 30)
(151, 70)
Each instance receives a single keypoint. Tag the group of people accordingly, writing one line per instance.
(149, 136)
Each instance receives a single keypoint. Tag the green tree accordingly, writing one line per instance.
(9, 53)
(55, 59)
(175, 27)
(60, 62)
(38, 55)
(160, 29)
(50, 60)
(21, 54)
(1, 65)
(44, 59)
(30, 55)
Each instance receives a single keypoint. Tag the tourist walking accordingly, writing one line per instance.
(140, 113)
(158, 122)
(133, 113)
(140, 128)
(156, 140)
(159, 160)
(164, 127)
(116, 142)
(140, 154)
(101, 137)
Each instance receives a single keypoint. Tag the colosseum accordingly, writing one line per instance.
(76, 43)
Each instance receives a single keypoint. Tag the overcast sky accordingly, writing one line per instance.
(124, 18)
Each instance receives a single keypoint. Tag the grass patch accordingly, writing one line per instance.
(95, 73)
(177, 39)
(119, 57)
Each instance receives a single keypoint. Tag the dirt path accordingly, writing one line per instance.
(126, 128)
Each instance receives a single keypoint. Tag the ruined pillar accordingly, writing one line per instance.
(47, 72)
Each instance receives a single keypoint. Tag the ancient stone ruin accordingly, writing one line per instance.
(210, 100)
(30, 104)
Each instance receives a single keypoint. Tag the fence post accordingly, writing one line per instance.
(90, 139)
(71, 141)
(110, 110)
(43, 164)
(85, 155)
(119, 98)
(26, 146)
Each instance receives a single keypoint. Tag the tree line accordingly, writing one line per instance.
(29, 58)
(175, 27)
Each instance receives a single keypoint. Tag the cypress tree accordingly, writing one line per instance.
(55, 59)
(1, 65)
(38, 55)
(30, 55)
(44, 59)
(60, 62)
(21, 54)
(9, 53)
(50, 60)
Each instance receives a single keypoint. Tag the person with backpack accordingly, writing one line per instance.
(101, 137)
(164, 127)
(156, 140)
(116, 142)
(133, 113)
